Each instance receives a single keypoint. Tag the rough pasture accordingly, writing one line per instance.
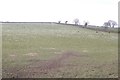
(38, 50)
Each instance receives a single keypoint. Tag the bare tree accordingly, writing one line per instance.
(76, 21)
(112, 23)
(66, 22)
(106, 24)
(59, 22)
(86, 23)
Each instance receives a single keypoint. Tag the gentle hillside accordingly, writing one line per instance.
(53, 50)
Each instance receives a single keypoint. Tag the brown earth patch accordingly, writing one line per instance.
(43, 67)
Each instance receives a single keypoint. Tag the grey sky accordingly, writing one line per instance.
(94, 11)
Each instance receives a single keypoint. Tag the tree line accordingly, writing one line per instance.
(109, 23)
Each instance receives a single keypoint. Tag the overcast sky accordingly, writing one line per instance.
(94, 11)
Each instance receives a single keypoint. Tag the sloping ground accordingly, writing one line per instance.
(96, 28)
(43, 67)
(52, 50)
(62, 66)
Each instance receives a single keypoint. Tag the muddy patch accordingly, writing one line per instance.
(43, 67)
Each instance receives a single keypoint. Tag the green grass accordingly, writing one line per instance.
(19, 39)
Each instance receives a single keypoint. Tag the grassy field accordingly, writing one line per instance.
(97, 28)
(38, 50)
